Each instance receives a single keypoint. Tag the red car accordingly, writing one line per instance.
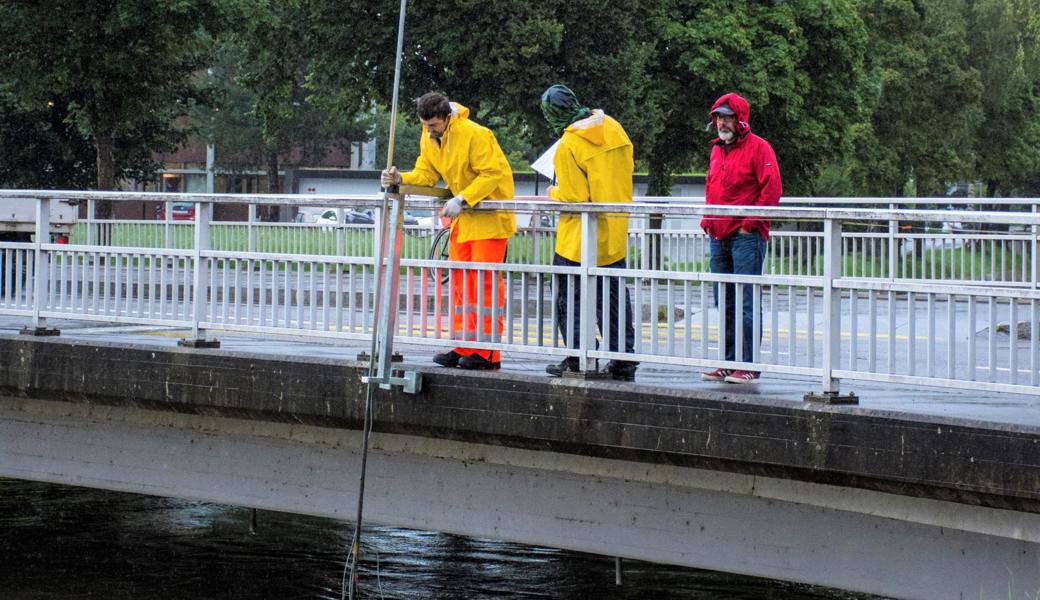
(181, 211)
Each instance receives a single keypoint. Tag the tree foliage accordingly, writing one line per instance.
(121, 68)
(1005, 50)
(40, 151)
(856, 96)
(798, 63)
(924, 98)
(497, 61)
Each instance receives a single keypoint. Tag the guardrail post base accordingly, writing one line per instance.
(40, 331)
(396, 357)
(832, 398)
(590, 375)
(198, 343)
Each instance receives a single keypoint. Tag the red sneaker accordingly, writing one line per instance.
(716, 375)
(743, 377)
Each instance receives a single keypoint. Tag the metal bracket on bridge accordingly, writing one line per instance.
(832, 398)
(40, 331)
(410, 381)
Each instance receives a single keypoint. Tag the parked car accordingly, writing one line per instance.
(350, 217)
(426, 220)
(179, 211)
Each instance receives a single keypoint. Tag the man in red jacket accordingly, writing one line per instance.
(743, 171)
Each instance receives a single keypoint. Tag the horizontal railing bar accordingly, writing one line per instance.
(540, 204)
(959, 384)
(80, 316)
(972, 288)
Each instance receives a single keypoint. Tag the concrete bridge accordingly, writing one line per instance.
(928, 489)
(889, 501)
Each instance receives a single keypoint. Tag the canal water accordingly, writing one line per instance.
(74, 543)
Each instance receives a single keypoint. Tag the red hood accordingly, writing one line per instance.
(740, 107)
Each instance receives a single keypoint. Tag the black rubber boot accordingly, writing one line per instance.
(622, 370)
(447, 359)
(569, 364)
(475, 362)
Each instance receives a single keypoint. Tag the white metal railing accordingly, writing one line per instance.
(865, 293)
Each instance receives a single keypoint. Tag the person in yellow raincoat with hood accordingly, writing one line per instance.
(469, 160)
(593, 163)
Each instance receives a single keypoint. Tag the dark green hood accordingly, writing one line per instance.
(560, 107)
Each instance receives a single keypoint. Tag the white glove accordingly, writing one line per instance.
(452, 207)
(390, 177)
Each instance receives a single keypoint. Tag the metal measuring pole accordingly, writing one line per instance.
(387, 249)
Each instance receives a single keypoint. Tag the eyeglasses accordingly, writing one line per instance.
(723, 117)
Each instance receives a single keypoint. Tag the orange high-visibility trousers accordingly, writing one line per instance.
(464, 296)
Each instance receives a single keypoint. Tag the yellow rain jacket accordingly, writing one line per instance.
(594, 164)
(471, 163)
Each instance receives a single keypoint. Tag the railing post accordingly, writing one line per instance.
(91, 212)
(644, 248)
(340, 232)
(40, 270)
(587, 308)
(893, 249)
(200, 281)
(1035, 257)
(251, 230)
(168, 224)
(832, 318)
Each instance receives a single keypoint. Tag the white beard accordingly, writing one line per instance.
(726, 136)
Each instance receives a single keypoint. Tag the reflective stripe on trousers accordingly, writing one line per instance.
(464, 293)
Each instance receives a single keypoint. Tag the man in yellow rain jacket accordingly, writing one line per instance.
(467, 157)
(593, 163)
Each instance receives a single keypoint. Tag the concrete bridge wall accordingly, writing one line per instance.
(922, 508)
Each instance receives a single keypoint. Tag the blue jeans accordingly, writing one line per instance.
(562, 312)
(741, 254)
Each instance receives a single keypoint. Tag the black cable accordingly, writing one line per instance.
(355, 544)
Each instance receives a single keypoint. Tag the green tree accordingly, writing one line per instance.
(261, 111)
(798, 63)
(497, 61)
(1005, 50)
(41, 150)
(123, 68)
(924, 99)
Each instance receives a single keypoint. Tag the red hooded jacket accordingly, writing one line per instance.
(743, 173)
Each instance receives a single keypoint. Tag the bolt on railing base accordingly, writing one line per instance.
(832, 398)
(40, 331)
(198, 343)
(365, 357)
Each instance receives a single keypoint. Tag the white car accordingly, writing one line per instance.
(328, 217)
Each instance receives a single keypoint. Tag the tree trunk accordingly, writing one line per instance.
(992, 185)
(104, 145)
(659, 180)
(659, 183)
(274, 186)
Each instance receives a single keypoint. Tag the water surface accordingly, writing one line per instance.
(75, 543)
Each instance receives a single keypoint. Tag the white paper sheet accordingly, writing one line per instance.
(544, 163)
